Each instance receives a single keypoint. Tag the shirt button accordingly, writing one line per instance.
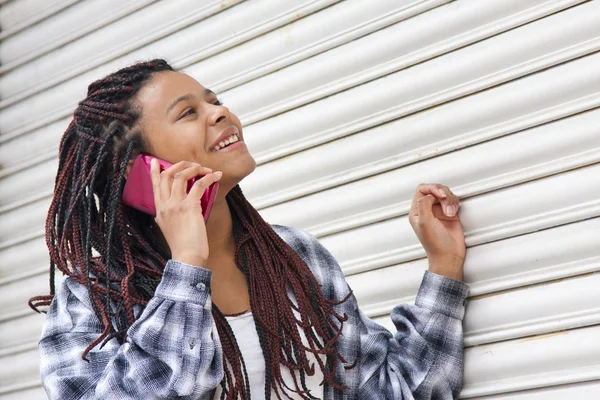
(200, 286)
(192, 343)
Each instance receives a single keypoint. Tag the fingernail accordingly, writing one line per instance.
(450, 211)
(443, 194)
(218, 173)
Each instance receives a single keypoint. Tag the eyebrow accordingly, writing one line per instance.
(189, 96)
(185, 97)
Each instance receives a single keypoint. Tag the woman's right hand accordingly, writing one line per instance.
(179, 214)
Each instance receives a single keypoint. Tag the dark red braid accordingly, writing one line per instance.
(111, 249)
(86, 214)
(277, 277)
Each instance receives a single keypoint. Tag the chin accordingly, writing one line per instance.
(247, 168)
(234, 174)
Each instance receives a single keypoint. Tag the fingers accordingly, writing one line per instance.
(425, 210)
(202, 184)
(181, 178)
(155, 177)
(449, 202)
(439, 214)
(167, 178)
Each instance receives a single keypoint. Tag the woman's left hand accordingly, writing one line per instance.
(434, 218)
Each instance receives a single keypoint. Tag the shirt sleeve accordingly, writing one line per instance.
(170, 352)
(424, 358)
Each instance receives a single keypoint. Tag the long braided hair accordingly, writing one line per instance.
(112, 249)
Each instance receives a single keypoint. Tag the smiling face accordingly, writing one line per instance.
(183, 121)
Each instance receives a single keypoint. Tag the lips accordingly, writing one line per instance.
(228, 136)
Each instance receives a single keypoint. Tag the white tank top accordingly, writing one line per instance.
(245, 333)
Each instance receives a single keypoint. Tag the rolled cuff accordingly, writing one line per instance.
(442, 295)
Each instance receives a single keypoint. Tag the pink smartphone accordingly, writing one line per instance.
(138, 191)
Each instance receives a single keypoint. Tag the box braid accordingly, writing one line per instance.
(86, 214)
(285, 297)
(112, 250)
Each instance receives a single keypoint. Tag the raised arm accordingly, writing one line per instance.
(424, 358)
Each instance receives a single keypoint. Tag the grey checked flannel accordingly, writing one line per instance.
(173, 349)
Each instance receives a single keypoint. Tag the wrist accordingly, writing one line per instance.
(450, 266)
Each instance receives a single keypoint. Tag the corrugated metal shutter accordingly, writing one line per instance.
(348, 105)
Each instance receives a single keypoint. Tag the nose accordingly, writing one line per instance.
(219, 114)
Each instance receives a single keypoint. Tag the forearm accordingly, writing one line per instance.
(439, 308)
(167, 348)
(423, 359)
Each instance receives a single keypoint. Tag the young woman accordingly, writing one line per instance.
(168, 307)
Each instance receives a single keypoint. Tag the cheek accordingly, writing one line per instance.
(236, 121)
(178, 143)
(192, 133)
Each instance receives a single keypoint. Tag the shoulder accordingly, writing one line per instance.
(70, 310)
(320, 261)
(70, 293)
(305, 244)
(296, 238)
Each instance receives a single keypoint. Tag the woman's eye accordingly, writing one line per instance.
(189, 111)
(218, 103)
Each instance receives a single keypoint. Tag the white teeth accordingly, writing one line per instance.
(231, 139)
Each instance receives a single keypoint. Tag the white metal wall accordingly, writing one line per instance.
(347, 106)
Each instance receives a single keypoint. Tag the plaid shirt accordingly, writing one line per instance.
(173, 349)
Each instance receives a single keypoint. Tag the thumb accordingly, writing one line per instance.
(439, 213)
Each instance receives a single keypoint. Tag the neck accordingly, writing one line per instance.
(219, 227)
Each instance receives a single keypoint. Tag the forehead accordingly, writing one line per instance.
(165, 86)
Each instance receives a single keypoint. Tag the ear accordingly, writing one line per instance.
(128, 168)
